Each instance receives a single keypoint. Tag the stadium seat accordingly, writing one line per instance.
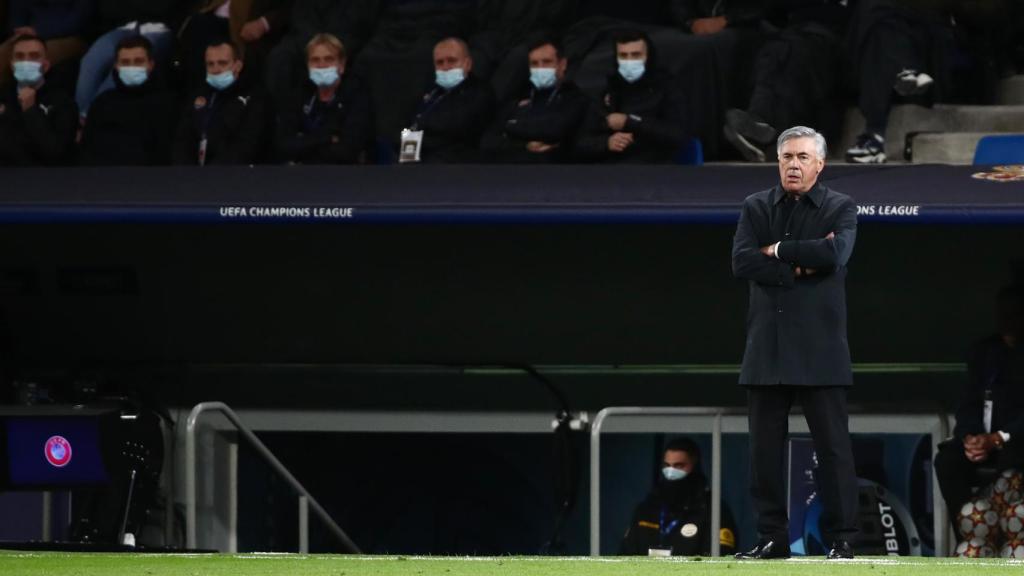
(384, 152)
(691, 152)
(1000, 149)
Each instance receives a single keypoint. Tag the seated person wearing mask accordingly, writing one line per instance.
(639, 117)
(328, 121)
(225, 122)
(540, 125)
(675, 518)
(130, 125)
(452, 115)
(37, 124)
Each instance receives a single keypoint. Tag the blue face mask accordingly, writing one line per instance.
(27, 72)
(133, 75)
(221, 81)
(449, 79)
(672, 474)
(324, 77)
(631, 70)
(543, 78)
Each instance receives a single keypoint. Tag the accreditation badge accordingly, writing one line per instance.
(201, 153)
(411, 143)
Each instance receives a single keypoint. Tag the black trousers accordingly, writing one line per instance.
(825, 411)
(797, 79)
(957, 475)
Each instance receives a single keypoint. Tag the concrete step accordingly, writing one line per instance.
(909, 118)
(945, 147)
(1011, 90)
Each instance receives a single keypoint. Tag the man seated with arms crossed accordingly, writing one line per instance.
(328, 121)
(640, 117)
(130, 125)
(37, 123)
(539, 126)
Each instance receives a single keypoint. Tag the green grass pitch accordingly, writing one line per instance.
(61, 564)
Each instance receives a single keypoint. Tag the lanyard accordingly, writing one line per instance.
(432, 101)
(315, 111)
(208, 114)
(551, 97)
(663, 529)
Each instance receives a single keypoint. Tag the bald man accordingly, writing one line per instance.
(453, 112)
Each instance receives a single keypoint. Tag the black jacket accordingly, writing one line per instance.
(234, 122)
(655, 111)
(551, 116)
(994, 366)
(796, 326)
(453, 121)
(335, 132)
(42, 135)
(679, 521)
(130, 126)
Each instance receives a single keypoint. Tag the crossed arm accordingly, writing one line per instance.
(780, 263)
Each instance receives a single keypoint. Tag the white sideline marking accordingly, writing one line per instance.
(902, 561)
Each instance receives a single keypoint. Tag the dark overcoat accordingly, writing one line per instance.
(796, 326)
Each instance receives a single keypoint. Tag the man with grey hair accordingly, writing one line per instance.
(792, 244)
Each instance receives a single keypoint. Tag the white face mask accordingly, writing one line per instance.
(631, 70)
(449, 79)
(28, 72)
(672, 474)
(543, 78)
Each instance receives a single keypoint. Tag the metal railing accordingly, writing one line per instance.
(306, 500)
(718, 420)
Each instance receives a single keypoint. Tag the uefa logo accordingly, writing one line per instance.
(57, 451)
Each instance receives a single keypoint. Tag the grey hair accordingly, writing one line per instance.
(802, 132)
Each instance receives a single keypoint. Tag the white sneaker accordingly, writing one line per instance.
(912, 83)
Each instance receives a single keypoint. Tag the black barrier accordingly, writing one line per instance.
(492, 194)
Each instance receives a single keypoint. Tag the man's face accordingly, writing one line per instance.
(220, 59)
(799, 164)
(134, 57)
(31, 51)
(325, 56)
(449, 55)
(677, 459)
(547, 57)
(636, 50)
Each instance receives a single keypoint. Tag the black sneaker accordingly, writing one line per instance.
(869, 149)
(766, 549)
(748, 134)
(912, 83)
(841, 550)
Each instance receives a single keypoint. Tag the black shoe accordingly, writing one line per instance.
(869, 149)
(841, 550)
(748, 134)
(766, 550)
